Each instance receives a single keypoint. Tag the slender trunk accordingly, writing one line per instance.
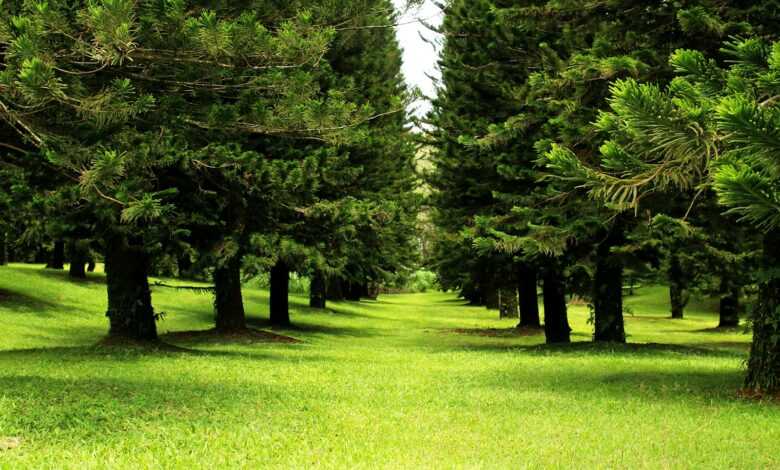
(317, 291)
(764, 363)
(529, 298)
(729, 303)
(229, 311)
(472, 294)
(507, 303)
(184, 265)
(556, 320)
(130, 310)
(608, 289)
(372, 291)
(677, 289)
(78, 259)
(280, 290)
(57, 259)
(91, 264)
(491, 296)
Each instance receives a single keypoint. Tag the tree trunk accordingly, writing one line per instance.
(764, 364)
(529, 298)
(280, 290)
(556, 320)
(354, 291)
(57, 259)
(507, 303)
(729, 303)
(184, 265)
(91, 264)
(130, 310)
(3, 247)
(78, 259)
(608, 289)
(317, 291)
(472, 294)
(334, 289)
(491, 297)
(229, 311)
(677, 288)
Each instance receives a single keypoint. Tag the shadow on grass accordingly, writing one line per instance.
(306, 328)
(63, 276)
(16, 301)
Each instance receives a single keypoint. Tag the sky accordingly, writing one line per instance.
(419, 57)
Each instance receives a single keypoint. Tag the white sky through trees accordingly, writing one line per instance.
(419, 57)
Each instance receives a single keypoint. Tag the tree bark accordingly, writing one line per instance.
(677, 288)
(57, 259)
(507, 303)
(556, 320)
(729, 303)
(280, 290)
(608, 289)
(529, 298)
(78, 259)
(318, 291)
(472, 294)
(764, 363)
(3, 247)
(334, 289)
(130, 310)
(491, 297)
(91, 264)
(229, 314)
(354, 291)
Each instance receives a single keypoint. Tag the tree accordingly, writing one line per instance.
(110, 91)
(710, 127)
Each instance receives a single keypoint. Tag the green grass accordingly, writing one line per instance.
(375, 384)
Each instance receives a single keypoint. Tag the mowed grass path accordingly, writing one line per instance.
(374, 384)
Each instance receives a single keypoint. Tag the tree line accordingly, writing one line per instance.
(210, 141)
(592, 145)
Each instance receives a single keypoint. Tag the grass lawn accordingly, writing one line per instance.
(375, 384)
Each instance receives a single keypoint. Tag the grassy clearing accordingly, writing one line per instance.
(375, 384)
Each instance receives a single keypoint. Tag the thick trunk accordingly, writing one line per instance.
(608, 290)
(354, 291)
(229, 312)
(280, 289)
(335, 289)
(472, 294)
(317, 291)
(529, 298)
(678, 295)
(507, 303)
(130, 311)
(764, 364)
(57, 259)
(3, 248)
(79, 252)
(491, 296)
(729, 303)
(556, 320)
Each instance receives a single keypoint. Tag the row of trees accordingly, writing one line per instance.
(207, 138)
(584, 143)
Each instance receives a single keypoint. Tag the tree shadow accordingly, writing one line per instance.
(63, 276)
(307, 328)
(19, 302)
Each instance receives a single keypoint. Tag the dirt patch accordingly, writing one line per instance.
(496, 332)
(8, 443)
(247, 336)
(756, 395)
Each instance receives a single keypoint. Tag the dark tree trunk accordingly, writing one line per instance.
(529, 298)
(335, 289)
(507, 303)
(556, 319)
(280, 290)
(729, 303)
(764, 364)
(57, 259)
(229, 314)
(78, 259)
(354, 291)
(678, 294)
(3, 248)
(372, 291)
(608, 289)
(317, 291)
(491, 296)
(473, 295)
(91, 265)
(130, 311)
(184, 265)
